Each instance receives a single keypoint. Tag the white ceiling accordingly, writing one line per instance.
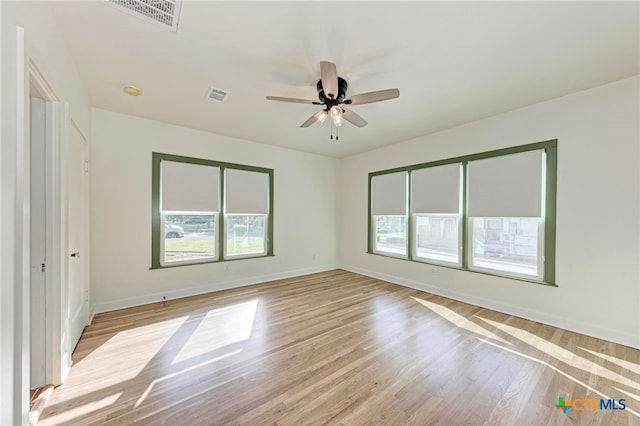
(454, 62)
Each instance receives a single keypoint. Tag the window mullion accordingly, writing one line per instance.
(223, 220)
(409, 219)
(464, 234)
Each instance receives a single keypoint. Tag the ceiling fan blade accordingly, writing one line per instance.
(329, 77)
(367, 98)
(315, 117)
(354, 118)
(296, 100)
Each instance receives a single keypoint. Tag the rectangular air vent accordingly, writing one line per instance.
(163, 12)
(217, 94)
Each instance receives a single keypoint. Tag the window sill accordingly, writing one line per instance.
(460, 268)
(210, 261)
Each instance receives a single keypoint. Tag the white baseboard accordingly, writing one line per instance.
(207, 288)
(582, 327)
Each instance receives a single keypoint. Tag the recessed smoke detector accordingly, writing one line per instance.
(215, 94)
(163, 12)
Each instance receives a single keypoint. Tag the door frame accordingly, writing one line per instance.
(58, 355)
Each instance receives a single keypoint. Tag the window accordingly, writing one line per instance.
(246, 211)
(435, 204)
(191, 207)
(389, 211)
(189, 194)
(491, 212)
(505, 213)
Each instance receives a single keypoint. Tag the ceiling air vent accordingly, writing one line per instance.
(217, 94)
(163, 12)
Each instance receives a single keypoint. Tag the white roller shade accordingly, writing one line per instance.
(436, 189)
(506, 186)
(389, 193)
(246, 192)
(189, 187)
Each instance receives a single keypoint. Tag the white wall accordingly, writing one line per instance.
(45, 46)
(598, 211)
(305, 212)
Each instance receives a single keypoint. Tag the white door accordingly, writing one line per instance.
(38, 210)
(76, 187)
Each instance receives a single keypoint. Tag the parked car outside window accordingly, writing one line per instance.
(173, 231)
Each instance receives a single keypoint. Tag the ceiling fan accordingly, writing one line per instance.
(332, 91)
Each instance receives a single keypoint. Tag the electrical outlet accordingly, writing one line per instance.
(227, 267)
(313, 256)
(433, 271)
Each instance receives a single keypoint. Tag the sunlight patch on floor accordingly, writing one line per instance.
(219, 328)
(629, 394)
(562, 354)
(82, 411)
(631, 366)
(147, 391)
(460, 321)
(557, 370)
(178, 402)
(112, 372)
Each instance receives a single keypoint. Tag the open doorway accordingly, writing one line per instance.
(37, 112)
(41, 140)
(59, 241)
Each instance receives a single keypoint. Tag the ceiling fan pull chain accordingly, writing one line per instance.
(337, 136)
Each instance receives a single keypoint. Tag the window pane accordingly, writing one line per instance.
(437, 237)
(390, 234)
(246, 234)
(506, 244)
(189, 237)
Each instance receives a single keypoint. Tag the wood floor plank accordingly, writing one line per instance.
(336, 348)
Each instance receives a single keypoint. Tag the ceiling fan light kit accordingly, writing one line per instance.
(322, 115)
(332, 91)
(336, 115)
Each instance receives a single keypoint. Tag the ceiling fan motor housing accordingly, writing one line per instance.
(342, 91)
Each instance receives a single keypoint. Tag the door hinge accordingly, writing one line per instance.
(86, 166)
(42, 267)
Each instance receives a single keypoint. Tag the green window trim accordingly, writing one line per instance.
(156, 222)
(549, 242)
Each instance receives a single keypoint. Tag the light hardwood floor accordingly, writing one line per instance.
(337, 348)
